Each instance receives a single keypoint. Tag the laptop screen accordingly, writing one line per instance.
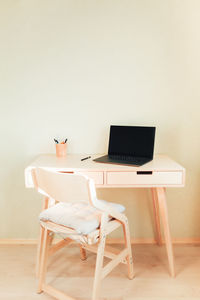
(132, 140)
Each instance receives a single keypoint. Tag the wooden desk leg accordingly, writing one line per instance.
(156, 216)
(41, 238)
(164, 216)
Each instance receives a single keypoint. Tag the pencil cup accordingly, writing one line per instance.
(61, 150)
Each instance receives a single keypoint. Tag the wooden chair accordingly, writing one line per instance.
(73, 188)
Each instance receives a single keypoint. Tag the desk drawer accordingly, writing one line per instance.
(97, 176)
(142, 178)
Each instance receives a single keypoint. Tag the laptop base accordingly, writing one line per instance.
(108, 160)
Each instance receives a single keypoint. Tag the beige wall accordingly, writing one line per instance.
(72, 68)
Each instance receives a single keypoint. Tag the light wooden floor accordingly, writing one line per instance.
(152, 280)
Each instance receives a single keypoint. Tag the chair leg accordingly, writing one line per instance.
(83, 255)
(39, 251)
(43, 262)
(98, 269)
(128, 245)
(45, 205)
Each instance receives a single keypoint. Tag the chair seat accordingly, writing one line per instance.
(80, 216)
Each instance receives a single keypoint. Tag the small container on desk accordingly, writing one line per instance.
(61, 149)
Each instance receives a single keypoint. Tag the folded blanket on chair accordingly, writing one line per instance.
(81, 216)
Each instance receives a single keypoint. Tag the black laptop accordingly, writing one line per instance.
(129, 145)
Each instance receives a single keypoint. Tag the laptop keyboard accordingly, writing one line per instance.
(126, 158)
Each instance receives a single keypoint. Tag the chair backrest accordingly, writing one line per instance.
(64, 187)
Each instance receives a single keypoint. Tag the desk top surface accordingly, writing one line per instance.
(160, 162)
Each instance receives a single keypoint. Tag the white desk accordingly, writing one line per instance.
(158, 174)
